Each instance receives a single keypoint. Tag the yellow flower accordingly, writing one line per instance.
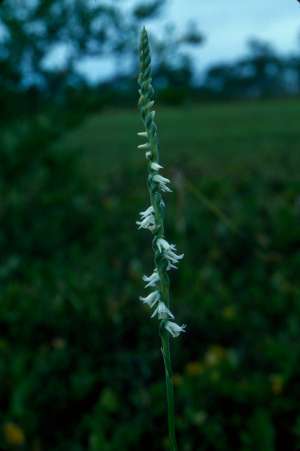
(215, 376)
(3, 344)
(194, 368)
(177, 379)
(13, 434)
(277, 383)
(229, 312)
(214, 355)
(58, 343)
(200, 417)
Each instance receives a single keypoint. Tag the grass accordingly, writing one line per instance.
(75, 345)
(221, 140)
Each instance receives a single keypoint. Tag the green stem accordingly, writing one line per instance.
(169, 388)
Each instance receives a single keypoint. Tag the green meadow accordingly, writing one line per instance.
(220, 139)
(80, 363)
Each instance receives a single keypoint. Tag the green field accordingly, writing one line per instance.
(219, 139)
(80, 364)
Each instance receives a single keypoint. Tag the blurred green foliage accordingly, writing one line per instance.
(80, 363)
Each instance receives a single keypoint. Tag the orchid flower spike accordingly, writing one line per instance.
(152, 218)
(165, 254)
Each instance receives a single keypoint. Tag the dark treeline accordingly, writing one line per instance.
(262, 72)
(44, 42)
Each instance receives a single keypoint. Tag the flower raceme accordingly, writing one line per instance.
(165, 254)
(152, 219)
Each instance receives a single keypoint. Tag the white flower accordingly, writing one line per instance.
(151, 299)
(147, 212)
(147, 223)
(169, 252)
(155, 166)
(147, 219)
(162, 181)
(162, 311)
(151, 280)
(143, 134)
(144, 146)
(174, 329)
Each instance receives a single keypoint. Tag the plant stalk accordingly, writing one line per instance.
(146, 102)
(169, 388)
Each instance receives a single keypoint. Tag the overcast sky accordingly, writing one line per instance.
(228, 24)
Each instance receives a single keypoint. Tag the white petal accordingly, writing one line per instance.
(144, 146)
(147, 223)
(151, 280)
(165, 189)
(170, 255)
(151, 299)
(147, 212)
(169, 252)
(160, 179)
(143, 134)
(171, 266)
(163, 244)
(162, 182)
(174, 329)
(156, 166)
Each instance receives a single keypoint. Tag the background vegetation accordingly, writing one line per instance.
(44, 45)
(80, 365)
